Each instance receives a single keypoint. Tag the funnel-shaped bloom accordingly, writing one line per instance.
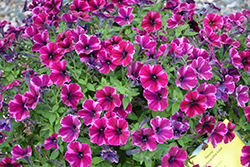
(96, 131)
(144, 138)
(18, 153)
(125, 16)
(217, 134)
(245, 156)
(242, 96)
(7, 161)
(59, 74)
(152, 21)
(210, 36)
(208, 90)
(205, 125)
(50, 54)
(106, 61)
(213, 21)
(202, 68)
(229, 136)
(121, 111)
(186, 78)
(87, 44)
(33, 96)
(175, 157)
(51, 142)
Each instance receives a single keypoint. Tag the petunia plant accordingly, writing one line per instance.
(122, 83)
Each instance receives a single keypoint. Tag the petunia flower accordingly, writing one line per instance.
(217, 134)
(40, 40)
(78, 154)
(110, 154)
(123, 53)
(11, 85)
(152, 77)
(186, 78)
(52, 6)
(96, 131)
(30, 32)
(18, 109)
(134, 69)
(117, 131)
(18, 153)
(230, 135)
(152, 54)
(213, 21)
(174, 21)
(79, 6)
(7, 161)
(59, 74)
(106, 61)
(70, 19)
(2, 137)
(145, 42)
(33, 96)
(152, 21)
(197, 53)
(242, 96)
(193, 104)
(107, 98)
(162, 129)
(210, 36)
(120, 3)
(71, 94)
(49, 54)
(70, 128)
(157, 101)
(205, 125)
(87, 44)
(144, 138)
(90, 112)
(96, 5)
(179, 117)
(178, 128)
(245, 59)
(125, 16)
(51, 142)
(5, 124)
(247, 113)
(175, 157)
(245, 156)
(248, 41)
(121, 111)
(208, 90)
(202, 68)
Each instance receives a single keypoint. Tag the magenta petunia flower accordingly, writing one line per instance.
(111, 114)
(157, 101)
(125, 16)
(18, 153)
(152, 77)
(210, 36)
(50, 54)
(186, 78)
(1, 101)
(144, 138)
(117, 131)
(121, 111)
(2, 137)
(178, 128)
(52, 6)
(87, 44)
(193, 104)
(70, 19)
(162, 129)
(217, 134)
(247, 113)
(202, 68)
(123, 53)
(120, 3)
(42, 81)
(107, 98)
(242, 96)
(245, 156)
(59, 74)
(33, 96)
(230, 135)
(152, 54)
(7, 161)
(71, 94)
(248, 41)
(41, 40)
(245, 59)
(106, 61)
(213, 21)
(179, 117)
(67, 45)
(51, 142)
(79, 6)
(175, 20)
(10, 85)
(152, 21)
(175, 157)
(145, 42)
(208, 90)
(197, 53)
(90, 112)
(96, 5)
(29, 32)
(205, 125)
(78, 155)
(70, 128)
(96, 131)
(134, 69)
(18, 109)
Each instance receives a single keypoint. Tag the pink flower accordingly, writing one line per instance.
(202, 68)
(30, 32)
(175, 157)
(71, 94)
(2, 137)
(51, 142)
(42, 81)
(106, 61)
(193, 103)
(70, 128)
(152, 21)
(210, 36)
(248, 41)
(107, 98)
(96, 131)
(186, 78)
(18, 109)
(78, 155)
(152, 77)
(33, 96)
(67, 45)
(87, 44)
(162, 129)
(197, 53)
(96, 5)
(157, 101)
(134, 69)
(217, 134)
(10, 85)
(144, 138)
(123, 53)
(52, 6)
(175, 21)
(208, 90)
(18, 153)
(245, 59)
(205, 125)
(79, 6)
(247, 113)
(120, 3)
(235, 57)
(59, 74)
(7, 161)
(245, 156)
(121, 111)
(50, 54)
(125, 16)
(229, 136)
(242, 96)
(117, 131)
(145, 42)
(90, 112)
(213, 21)
(226, 40)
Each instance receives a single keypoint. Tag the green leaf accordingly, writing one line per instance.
(132, 116)
(148, 163)
(55, 107)
(175, 107)
(52, 118)
(190, 33)
(125, 102)
(82, 82)
(96, 160)
(91, 87)
(54, 155)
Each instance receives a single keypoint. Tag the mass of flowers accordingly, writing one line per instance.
(122, 83)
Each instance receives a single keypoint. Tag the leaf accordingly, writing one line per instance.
(125, 102)
(54, 155)
(55, 107)
(82, 82)
(175, 107)
(52, 118)
(166, 52)
(148, 163)
(190, 33)
(96, 160)
(132, 116)
(91, 87)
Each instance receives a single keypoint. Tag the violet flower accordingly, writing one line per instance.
(110, 154)
(5, 124)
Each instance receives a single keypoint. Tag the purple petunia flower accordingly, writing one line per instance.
(96, 131)
(144, 138)
(178, 128)
(179, 117)
(59, 74)
(186, 78)
(217, 134)
(41, 40)
(205, 125)
(78, 155)
(175, 157)
(87, 44)
(18, 153)
(125, 16)
(245, 156)
(242, 96)
(5, 124)
(7, 161)
(51, 142)
(110, 154)
(70, 128)
(202, 68)
(230, 135)
(145, 42)
(162, 129)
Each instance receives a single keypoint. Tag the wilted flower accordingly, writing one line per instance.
(110, 154)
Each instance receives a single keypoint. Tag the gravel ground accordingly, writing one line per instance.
(11, 10)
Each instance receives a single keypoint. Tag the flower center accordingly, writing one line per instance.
(109, 98)
(171, 159)
(211, 23)
(101, 130)
(80, 155)
(124, 54)
(86, 46)
(192, 102)
(151, 55)
(119, 131)
(126, 18)
(202, 93)
(244, 61)
(153, 77)
(69, 95)
(9, 165)
(144, 138)
(198, 69)
(51, 55)
(73, 127)
(179, 119)
(1, 137)
(64, 73)
(158, 130)
(158, 96)
(53, 140)
(97, 6)
(152, 21)
(107, 61)
(182, 79)
(176, 132)
(92, 113)
(22, 105)
(120, 1)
